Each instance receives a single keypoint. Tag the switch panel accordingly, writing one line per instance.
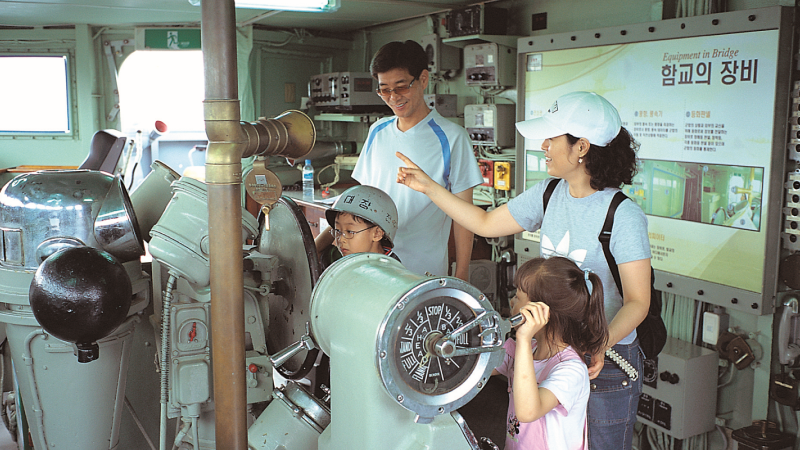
(502, 175)
(490, 64)
(490, 124)
(487, 171)
(791, 212)
(679, 396)
(190, 368)
(258, 377)
(189, 329)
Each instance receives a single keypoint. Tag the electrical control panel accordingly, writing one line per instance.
(791, 229)
(478, 19)
(345, 91)
(486, 167)
(679, 395)
(490, 124)
(483, 275)
(441, 57)
(257, 376)
(489, 64)
(190, 362)
(444, 104)
(503, 175)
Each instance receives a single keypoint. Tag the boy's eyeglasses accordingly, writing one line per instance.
(399, 90)
(347, 234)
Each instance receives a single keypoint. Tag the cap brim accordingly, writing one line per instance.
(330, 216)
(539, 128)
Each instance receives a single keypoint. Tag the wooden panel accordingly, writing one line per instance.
(314, 216)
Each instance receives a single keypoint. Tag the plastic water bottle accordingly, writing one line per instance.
(308, 181)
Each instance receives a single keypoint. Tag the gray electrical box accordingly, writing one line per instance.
(477, 19)
(679, 396)
(490, 124)
(345, 92)
(444, 104)
(483, 275)
(441, 57)
(490, 64)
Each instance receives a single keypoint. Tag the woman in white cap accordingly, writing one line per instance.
(587, 148)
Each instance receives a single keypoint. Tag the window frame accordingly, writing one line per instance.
(175, 126)
(69, 73)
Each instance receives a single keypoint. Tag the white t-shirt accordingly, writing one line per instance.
(444, 151)
(563, 427)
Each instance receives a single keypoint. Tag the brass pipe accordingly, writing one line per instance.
(224, 178)
(227, 317)
(218, 30)
(291, 134)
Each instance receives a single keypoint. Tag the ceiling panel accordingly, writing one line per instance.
(353, 14)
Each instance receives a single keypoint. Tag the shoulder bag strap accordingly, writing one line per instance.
(548, 191)
(605, 237)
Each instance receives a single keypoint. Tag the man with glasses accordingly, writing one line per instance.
(442, 148)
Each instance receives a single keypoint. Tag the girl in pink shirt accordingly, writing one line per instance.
(547, 377)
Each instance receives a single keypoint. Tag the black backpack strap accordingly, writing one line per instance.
(548, 191)
(605, 237)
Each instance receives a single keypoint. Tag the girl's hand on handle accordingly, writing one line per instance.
(412, 176)
(537, 315)
(597, 364)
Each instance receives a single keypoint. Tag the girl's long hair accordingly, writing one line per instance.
(576, 317)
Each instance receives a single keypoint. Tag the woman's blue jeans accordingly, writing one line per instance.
(613, 401)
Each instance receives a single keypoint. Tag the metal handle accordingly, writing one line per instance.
(517, 320)
(306, 342)
(487, 444)
(788, 352)
(494, 328)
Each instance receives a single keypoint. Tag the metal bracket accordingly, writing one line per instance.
(110, 52)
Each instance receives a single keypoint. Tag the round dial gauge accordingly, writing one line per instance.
(424, 367)
(420, 367)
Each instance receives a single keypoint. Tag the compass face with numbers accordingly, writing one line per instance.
(410, 368)
(422, 370)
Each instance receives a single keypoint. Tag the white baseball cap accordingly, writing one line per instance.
(581, 114)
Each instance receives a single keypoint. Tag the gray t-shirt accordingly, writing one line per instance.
(572, 225)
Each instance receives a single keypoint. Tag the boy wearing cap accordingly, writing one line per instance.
(364, 219)
(585, 147)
